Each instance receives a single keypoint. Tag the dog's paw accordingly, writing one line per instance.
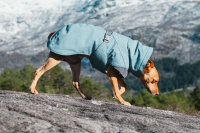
(34, 91)
(88, 98)
(127, 104)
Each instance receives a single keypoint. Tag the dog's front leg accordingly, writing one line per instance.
(112, 76)
(76, 68)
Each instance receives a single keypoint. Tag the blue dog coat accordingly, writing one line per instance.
(121, 52)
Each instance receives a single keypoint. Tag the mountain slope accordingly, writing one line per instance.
(171, 27)
(21, 112)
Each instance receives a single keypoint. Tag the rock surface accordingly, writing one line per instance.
(22, 112)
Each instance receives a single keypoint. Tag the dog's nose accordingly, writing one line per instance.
(157, 93)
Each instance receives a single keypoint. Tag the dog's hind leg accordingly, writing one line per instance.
(52, 61)
(123, 86)
(76, 68)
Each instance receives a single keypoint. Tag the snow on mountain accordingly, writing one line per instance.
(25, 25)
(172, 27)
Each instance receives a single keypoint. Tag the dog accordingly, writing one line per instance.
(109, 52)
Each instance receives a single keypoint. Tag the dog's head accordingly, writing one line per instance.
(150, 77)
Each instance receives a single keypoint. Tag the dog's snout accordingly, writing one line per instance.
(152, 91)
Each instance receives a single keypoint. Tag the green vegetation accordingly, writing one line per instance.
(181, 75)
(56, 81)
(180, 101)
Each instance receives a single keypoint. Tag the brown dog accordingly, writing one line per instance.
(149, 76)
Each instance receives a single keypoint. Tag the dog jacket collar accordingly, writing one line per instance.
(121, 52)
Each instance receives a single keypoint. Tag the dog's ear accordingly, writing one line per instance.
(51, 34)
(149, 65)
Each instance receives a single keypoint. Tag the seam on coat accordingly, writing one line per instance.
(120, 52)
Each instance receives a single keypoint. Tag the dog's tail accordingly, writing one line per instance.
(51, 34)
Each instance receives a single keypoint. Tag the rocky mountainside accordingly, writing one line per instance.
(22, 112)
(171, 27)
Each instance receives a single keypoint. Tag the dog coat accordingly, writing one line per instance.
(121, 52)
